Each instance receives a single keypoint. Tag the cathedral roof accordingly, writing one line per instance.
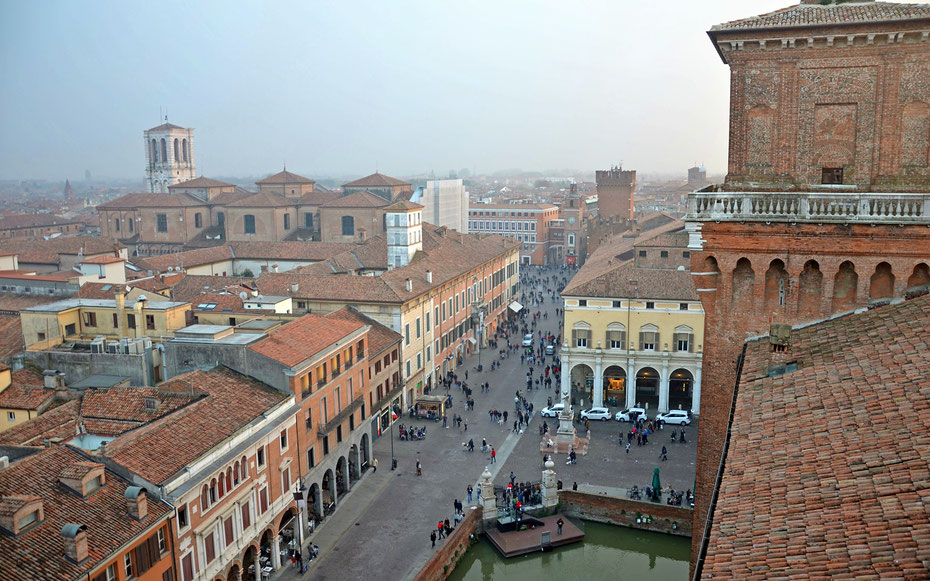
(201, 182)
(133, 201)
(285, 177)
(361, 199)
(816, 14)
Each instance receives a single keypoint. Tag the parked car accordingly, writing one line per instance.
(528, 340)
(680, 417)
(550, 349)
(602, 414)
(629, 415)
(553, 411)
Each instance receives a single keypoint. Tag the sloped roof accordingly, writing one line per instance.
(104, 260)
(166, 127)
(804, 15)
(304, 337)
(133, 201)
(58, 422)
(201, 182)
(187, 259)
(404, 205)
(263, 200)
(15, 221)
(127, 404)
(86, 245)
(288, 250)
(375, 180)
(161, 448)
(285, 177)
(37, 553)
(361, 199)
(25, 397)
(651, 283)
(192, 286)
(828, 468)
(379, 336)
(11, 336)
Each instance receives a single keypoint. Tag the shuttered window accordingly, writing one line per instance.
(616, 339)
(246, 516)
(228, 529)
(581, 338)
(209, 548)
(146, 555)
(684, 342)
(648, 340)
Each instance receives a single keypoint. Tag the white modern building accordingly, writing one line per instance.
(445, 203)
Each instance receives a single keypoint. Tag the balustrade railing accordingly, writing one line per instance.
(889, 208)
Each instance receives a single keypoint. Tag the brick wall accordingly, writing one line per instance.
(448, 554)
(661, 518)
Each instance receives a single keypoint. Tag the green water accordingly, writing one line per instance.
(607, 553)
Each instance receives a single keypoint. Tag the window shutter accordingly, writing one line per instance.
(574, 338)
(642, 339)
(210, 549)
(623, 339)
(656, 342)
(228, 526)
(690, 343)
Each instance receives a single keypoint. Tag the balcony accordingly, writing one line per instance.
(350, 409)
(818, 207)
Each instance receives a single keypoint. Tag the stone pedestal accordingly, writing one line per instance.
(488, 500)
(550, 493)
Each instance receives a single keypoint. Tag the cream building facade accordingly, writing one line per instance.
(633, 337)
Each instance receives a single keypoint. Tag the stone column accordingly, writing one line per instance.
(663, 387)
(488, 499)
(696, 392)
(257, 567)
(597, 390)
(550, 493)
(276, 552)
(631, 382)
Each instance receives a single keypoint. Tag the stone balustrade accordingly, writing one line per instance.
(819, 207)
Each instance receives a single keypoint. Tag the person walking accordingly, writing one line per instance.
(664, 454)
(419, 469)
(469, 490)
(440, 529)
(559, 522)
(493, 455)
(432, 537)
(374, 464)
(627, 447)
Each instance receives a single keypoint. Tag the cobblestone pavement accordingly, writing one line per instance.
(382, 526)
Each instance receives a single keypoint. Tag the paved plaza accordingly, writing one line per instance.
(382, 526)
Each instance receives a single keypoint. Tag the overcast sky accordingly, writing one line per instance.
(342, 88)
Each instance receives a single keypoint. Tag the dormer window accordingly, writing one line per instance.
(83, 478)
(20, 513)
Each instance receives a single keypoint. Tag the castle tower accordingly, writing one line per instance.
(572, 213)
(69, 193)
(403, 227)
(615, 193)
(826, 205)
(169, 154)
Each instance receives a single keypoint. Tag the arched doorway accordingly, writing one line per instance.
(743, 286)
(365, 458)
(286, 526)
(614, 386)
(881, 285)
(680, 384)
(249, 560)
(329, 492)
(810, 289)
(353, 465)
(647, 388)
(342, 484)
(315, 501)
(844, 287)
(235, 573)
(582, 378)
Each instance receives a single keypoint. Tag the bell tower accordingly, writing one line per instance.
(169, 154)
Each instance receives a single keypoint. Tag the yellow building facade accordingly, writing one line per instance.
(634, 338)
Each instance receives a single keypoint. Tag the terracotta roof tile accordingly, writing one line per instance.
(133, 201)
(168, 127)
(288, 250)
(161, 448)
(186, 259)
(379, 336)
(104, 260)
(263, 200)
(16, 221)
(358, 200)
(651, 283)
(802, 15)
(11, 336)
(59, 422)
(37, 553)
(70, 245)
(285, 177)
(201, 182)
(404, 205)
(128, 403)
(828, 467)
(25, 397)
(304, 337)
(375, 180)
(191, 287)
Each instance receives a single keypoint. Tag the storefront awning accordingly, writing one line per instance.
(516, 307)
(471, 340)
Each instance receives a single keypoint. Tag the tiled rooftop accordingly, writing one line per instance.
(304, 337)
(25, 397)
(200, 182)
(828, 469)
(379, 336)
(801, 15)
(285, 177)
(358, 200)
(159, 449)
(651, 283)
(59, 422)
(133, 201)
(37, 554)
(375, 180)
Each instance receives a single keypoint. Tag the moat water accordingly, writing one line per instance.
(607, 552)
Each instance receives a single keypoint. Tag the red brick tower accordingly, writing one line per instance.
(826, 204)
(615, 193)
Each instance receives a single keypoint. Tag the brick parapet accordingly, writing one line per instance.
(443, 561)
(663, 518)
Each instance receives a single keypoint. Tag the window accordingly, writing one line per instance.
(116, 224)
(642, 253)
(220, 219)
(283, 440)
(249, 223)
(187, 567)
(338, 433)
(90, 319)
(650, 305)
(663, 253)
(308, 420)
(682, 306)
(263, 500)
(109, 574)
(443, 311)
(131, 321)
(571, 239)
(150, 321)
(246, 515)
(581, 337)
(127, 564)
(286, 478)
(684, 339)
(161, 222)
(198, 220)
(435, 317)
(324, 410)
(115, 321)
(832, 175)
(648, 338)
(418, 327)
(427, 320)
(182, 517)
(583, 302)
(308, 220)
(130, 224)
(162, 546)
(168, 575)
(348, 226)
(408, 368)
(325, 445)
(228, 531)
(338, 394)
(311, 458)
(616, 336)
(407, 334)
(686, 254)
(287, 221)
(11, 416)
(260, 457)
(419, 360)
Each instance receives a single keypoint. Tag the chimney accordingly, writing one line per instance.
(429, 276)
(274, 268)
(408, 285)
(120, 310)
(136, 502)
(49, 377)
(102, 450)
(294, 288)
(140, 321)
(254, 292)
(75, 536)
(4, 462)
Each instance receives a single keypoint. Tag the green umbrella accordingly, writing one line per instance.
(656, 483)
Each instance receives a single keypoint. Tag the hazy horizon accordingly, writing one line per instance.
(347, 88)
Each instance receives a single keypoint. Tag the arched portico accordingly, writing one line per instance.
(647, 387)
(582, 378)
(615, 385)
(680, 389)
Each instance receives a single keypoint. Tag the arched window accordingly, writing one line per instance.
(213, 491)
(164, 150)
(154, 151)
(348, 226)
(222, 486)
(184, 150)
(198, 220)
(236, 476)
(243, 467)
(177, 150)
(204, 498)
(249, 223)
(229, 483)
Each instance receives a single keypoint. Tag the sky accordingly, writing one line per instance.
(348, 87)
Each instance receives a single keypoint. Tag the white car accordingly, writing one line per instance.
(528, 340)
(629, 415)
(550, 349)
(680, 417)
(602, 414)
(554, 411)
